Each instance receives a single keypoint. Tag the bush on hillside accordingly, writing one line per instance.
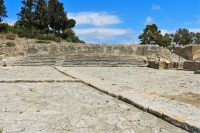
(10, 44)
(43, 41)
(49, 38)
(4, 27)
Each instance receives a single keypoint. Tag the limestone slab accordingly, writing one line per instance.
(184, 114)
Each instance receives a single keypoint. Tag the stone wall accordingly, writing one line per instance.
(89, 49)
(89, 54)
(188, 52)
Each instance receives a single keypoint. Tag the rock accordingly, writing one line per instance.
(197, 72)
(191, 65)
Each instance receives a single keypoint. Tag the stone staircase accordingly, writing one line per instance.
(103, 60)
(80, 60)
(36, 60)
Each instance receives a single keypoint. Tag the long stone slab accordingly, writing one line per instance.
(178, 113)
(16, 74)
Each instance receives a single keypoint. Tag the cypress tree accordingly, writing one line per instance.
(41, 17)
(26, 15)
(3, 10)
(58, 17)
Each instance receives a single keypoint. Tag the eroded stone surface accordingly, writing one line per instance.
(69, 107)
(31, 73)
(144, 80)
(150, 90)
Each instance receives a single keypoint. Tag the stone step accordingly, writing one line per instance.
(80, 60)
(34, 64)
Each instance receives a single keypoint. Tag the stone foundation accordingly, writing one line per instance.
(191, 65)
(158, 65)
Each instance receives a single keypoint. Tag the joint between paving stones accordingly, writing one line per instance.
(182, 125)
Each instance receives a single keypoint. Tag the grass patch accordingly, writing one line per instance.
(43, 41)
(1, 130)
(49, 38)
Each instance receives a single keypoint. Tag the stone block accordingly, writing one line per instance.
(163, 65)
(158, 65)
(197, 72)
(191, 65)
(153, 64)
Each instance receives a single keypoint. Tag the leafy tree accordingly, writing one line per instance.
(165, 40)
(58, 17)
(150, 35)
(71, 23)
(41, 17)
(197, 38)
(26, 15)
(3, 10)
(182, 37)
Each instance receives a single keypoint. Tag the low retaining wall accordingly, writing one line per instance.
(164, 65)
(191, 65)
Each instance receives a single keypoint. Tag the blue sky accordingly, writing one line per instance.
(121, 21)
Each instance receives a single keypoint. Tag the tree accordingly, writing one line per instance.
(26, 15)
(182, 37)
(58, 17)
(41, 17)
(3, 10)
(165, 40)
(70, 23)
(197, 38)
(150, 35)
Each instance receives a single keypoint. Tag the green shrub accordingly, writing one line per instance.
(42, 41)
(4, 27)
(10, 44)
(49, 38)
(34, 33)
(1, 130)
(25, 32)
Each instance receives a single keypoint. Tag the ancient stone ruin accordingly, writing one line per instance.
(69, 54)
(89, 55)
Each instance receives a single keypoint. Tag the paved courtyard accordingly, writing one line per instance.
(176, 85)
(52, 102)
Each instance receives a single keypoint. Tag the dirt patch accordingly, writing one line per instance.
(187, 97)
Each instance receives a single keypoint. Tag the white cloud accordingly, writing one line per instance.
(164, 31)
(195, 30)
(149, 19)
(10, 21)
(155, 7)
(195, 22)
(95, 18)
(104, 35)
